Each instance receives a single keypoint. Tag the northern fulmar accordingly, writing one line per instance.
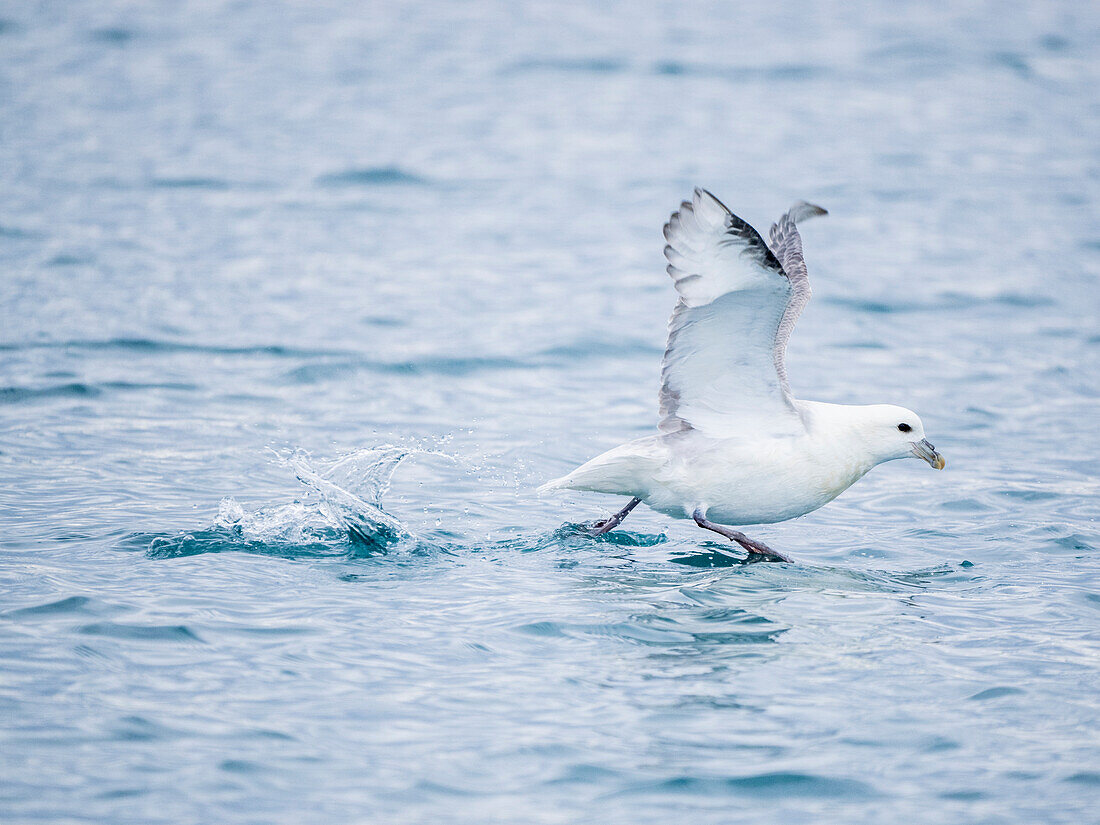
(735, 446)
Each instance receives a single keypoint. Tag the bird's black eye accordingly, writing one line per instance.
(904, 428)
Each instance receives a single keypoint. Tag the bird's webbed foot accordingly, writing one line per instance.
(761, 552)
(606, 525)
(598, 528)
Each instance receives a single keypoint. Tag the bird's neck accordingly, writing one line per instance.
(836, 439)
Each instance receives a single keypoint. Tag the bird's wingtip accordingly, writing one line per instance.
(803, 211)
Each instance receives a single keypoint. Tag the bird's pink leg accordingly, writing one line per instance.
(754, 547)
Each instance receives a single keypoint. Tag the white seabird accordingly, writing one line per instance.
(735, 446)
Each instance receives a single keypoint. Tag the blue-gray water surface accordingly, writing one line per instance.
(253, 253)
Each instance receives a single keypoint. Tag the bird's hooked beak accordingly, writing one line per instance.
(923, 449)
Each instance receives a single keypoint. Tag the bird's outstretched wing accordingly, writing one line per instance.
(723, 368)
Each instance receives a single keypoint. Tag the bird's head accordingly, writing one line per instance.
(891, 432)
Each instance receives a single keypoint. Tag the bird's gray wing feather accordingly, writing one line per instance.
(786, 243)
(723, 366)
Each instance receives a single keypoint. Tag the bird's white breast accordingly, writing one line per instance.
(751, 482)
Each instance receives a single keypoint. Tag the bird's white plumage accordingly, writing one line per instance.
(735, 445)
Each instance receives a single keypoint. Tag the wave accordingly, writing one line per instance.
(148, 345)
(75, 389)
(371, 176)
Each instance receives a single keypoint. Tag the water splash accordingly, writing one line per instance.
(341, 513)
(350, 491)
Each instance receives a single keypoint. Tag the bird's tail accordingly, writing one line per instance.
(625, 470)
(551, 486)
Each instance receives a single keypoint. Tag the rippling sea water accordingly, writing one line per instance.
(251, 254)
